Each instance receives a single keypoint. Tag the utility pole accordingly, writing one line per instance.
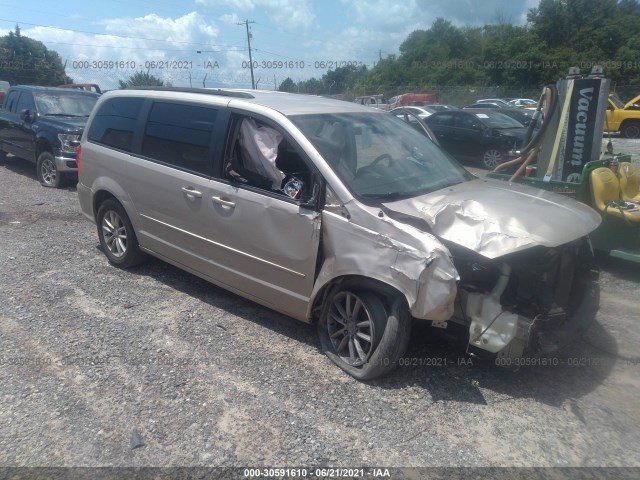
(246, 24)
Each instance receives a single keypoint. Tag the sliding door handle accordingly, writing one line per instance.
(224, 203)
(190, 191)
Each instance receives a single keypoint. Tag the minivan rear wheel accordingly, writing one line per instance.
(116, 234)
(361, 334)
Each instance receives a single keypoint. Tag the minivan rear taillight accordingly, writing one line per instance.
(78, 152)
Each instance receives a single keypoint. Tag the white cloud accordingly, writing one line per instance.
(189, 28)
(133, 44)
(232, 19)
(286, 13)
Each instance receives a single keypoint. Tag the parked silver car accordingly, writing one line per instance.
(338, 214)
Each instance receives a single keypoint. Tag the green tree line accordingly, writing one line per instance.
(558, 34)
(24, 60)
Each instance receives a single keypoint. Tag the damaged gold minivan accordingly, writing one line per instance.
(336, 214)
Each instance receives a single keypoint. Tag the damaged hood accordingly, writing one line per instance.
(495, 218)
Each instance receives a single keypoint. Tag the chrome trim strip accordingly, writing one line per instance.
(275, 265)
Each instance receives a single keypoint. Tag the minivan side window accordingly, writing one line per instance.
(259, 155)
(114, 124)
(180, 135)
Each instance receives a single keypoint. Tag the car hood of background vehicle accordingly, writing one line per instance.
(495, 218)
(518, 133)
(63, 123)
(633, 104)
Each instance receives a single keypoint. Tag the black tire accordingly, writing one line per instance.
(47, 172)
(362, 335)
(3, 157)
(631, 129)
(116, 234)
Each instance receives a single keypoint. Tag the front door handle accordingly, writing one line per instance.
(190, 191)
(224, 203)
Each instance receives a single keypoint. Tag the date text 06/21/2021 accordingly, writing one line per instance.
(147, 64)
(209, 64)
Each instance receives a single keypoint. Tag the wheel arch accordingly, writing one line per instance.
(99, 198)
(104, 188)
(357, 283)
(42, 144)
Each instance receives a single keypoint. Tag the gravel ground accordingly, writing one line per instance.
(96, 361)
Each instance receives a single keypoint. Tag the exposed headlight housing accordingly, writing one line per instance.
(69, 142)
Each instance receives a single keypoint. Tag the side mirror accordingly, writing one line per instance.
(26, 116)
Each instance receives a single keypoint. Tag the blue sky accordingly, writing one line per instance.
(104, 41)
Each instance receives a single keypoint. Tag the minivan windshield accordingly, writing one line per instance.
(65, 104)
(378, 156)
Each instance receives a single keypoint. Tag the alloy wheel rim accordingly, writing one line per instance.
(492, 158)
(49, 172)
(114, 233)
(350, 329)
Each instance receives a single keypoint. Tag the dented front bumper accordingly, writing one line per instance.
(516, 339)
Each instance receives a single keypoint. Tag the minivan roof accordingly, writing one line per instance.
(285, 103)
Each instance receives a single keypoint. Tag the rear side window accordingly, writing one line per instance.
(180, 135)
(466, 121)
(26, 103)
(442, 119)
(10, 102)
(114, 124)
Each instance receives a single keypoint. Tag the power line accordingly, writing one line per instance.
(118, 47)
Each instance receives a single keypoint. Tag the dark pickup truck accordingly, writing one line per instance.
(44, 125)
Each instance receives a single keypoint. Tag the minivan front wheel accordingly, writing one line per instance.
(116, 234)
(361, 334)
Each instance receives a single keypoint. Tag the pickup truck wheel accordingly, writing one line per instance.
(631, 130)
(48, 174)
(116, 234)
(361, 334)
(491, 158)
